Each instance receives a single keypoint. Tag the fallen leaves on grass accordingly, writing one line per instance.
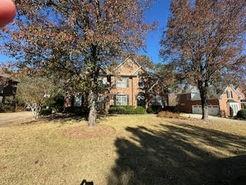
(167, 114)
(85, 132)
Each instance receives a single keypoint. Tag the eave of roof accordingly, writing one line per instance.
(131, 58)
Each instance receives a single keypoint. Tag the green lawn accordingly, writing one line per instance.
(124, 150)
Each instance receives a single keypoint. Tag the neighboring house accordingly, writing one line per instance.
(8, 87)
(242, 97)
(226, 103)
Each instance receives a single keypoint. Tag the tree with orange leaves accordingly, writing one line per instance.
(74, 39)
(204, 40)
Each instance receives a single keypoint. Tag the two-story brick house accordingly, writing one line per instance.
(125, 83)
(226, 103)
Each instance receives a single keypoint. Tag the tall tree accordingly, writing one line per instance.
(205, 39)
(75, 39)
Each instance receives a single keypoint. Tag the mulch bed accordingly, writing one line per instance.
(86, 132)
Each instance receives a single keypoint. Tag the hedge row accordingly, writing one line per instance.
(241, 114)
(126, 110)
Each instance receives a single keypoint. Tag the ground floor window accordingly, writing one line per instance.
(78, 100)
(121, 100)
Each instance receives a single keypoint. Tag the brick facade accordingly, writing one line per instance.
(224, 100)
(129, 70)
(228, 102)
(185, 102)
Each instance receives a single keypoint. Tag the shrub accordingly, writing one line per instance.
(155, 109)
(149, 110)
(76, 111)
(126, 110)
(46, 112)
(241, 114)
(140, 110)
(120, 110)
(55, 103)
(166, 114)
(170, 109)
(6, 108)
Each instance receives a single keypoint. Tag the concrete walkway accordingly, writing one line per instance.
(214, 118)
(15, 118)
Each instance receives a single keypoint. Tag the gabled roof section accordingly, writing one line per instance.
(129, 67)
(128, 58)
(226, 88)
(240, 92)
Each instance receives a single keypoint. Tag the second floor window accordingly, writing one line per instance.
(122, 82)
(229, 94)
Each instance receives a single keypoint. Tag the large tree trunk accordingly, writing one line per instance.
(93, 111)
(93, 93)
(203, 88)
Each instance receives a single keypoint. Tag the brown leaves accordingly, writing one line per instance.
(71, 39)
(205, 37)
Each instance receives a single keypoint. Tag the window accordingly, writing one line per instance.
(78, 101)
(122, 82)
(103, 80)
(229, 94)
(121, 100)
(195, 96)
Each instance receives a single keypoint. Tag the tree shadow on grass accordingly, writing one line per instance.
(179, 154)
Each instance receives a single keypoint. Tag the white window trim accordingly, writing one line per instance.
(121, 99)
(122, 82)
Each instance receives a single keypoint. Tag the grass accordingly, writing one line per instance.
(134, 149)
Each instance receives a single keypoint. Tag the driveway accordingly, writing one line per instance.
(214, 118)
(15, 118)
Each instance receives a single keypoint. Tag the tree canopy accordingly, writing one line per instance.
(205, 40)
(73, 39)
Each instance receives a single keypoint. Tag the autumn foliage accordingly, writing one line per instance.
(72, 40)
(205, 40)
